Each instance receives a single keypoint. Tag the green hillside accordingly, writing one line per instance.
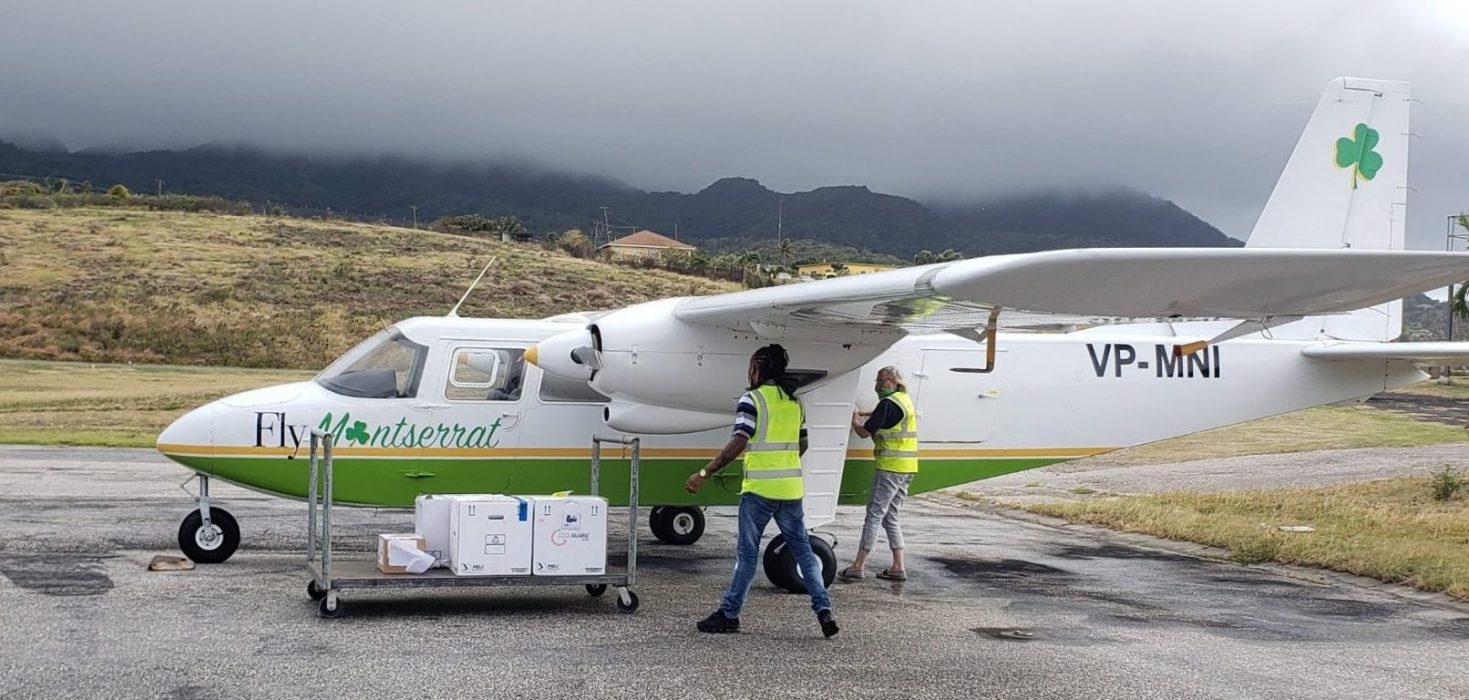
(121, 285)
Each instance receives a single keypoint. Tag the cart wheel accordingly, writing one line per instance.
(782, 570)
(627, 601)
(596, 590)
(330, 607)
(313, 591)
(213, 544)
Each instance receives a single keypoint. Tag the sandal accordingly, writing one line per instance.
(891, 575)
(852, 574)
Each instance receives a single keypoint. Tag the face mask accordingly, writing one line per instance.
(884, 393)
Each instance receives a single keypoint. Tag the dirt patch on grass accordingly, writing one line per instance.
(1446, 410)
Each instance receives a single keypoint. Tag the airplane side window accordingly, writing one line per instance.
(556, 389)
(486, 374)
(386, 366)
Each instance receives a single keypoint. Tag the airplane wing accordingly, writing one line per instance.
(1118, 285)
(1452, 353)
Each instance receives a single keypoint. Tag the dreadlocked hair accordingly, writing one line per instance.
(772, 361)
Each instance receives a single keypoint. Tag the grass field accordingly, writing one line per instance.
(109, 285)
(1319, 428)
(66, 403)
(1390, 529)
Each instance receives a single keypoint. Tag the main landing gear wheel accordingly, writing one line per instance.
(782, 570)
(212, 544)
(627, 601)
(676, 524)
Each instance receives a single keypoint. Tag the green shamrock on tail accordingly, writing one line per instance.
(358, 433)
(1358, 152)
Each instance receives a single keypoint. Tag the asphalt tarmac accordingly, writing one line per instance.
(996, 607)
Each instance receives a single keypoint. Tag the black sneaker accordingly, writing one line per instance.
(717, 623)
(828, 623)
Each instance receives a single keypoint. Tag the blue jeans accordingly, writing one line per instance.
(755, 513)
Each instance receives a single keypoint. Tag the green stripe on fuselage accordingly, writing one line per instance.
(395, 483)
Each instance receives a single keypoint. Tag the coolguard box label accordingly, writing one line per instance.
(570, 536)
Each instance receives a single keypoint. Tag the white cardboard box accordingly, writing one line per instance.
(490, 536)
(570, 536)
(431, 522)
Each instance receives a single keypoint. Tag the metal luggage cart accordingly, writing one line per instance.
(329, 578)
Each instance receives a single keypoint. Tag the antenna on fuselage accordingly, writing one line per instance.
(454, 312)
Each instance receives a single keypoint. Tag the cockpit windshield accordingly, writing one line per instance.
(385, 366)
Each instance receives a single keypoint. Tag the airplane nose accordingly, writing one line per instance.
(189, 434)
(567, 355)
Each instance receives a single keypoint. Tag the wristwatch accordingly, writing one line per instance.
(703, 473)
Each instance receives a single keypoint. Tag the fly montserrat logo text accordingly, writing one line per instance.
(272, 430)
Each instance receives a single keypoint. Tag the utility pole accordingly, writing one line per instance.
(414, 207)
(606, 229)
(779, 217)
(1449, 237)
(160, 186)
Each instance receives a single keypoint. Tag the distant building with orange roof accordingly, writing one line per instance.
(642, 245)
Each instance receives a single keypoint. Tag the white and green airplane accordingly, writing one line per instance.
(1014, 361)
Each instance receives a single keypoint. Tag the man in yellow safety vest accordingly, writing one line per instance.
(770, 432)
(893, 427)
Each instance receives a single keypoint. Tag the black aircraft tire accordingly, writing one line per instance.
(781, 568)
(678, 525)
(200, 548)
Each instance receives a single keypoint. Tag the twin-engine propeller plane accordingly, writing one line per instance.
(1016, 361)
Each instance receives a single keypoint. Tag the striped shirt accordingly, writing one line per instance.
(745, 417)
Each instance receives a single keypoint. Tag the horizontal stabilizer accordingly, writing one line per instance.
(1452, 353)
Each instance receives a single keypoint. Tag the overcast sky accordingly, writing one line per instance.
(1197, 102)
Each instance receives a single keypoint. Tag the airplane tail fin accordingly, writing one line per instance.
(1345, 186)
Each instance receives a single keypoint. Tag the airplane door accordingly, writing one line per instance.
(478, 421)
(956, 402)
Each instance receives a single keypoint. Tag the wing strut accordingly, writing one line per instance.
(991, 328)
(1242, 328)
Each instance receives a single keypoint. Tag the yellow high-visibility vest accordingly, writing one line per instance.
(773, 455)
(896, 448)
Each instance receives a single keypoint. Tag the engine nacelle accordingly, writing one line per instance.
(655, 420)
(644, 355)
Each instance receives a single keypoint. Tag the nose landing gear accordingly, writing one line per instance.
(208, 535)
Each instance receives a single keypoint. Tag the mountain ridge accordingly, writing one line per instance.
(395, 188)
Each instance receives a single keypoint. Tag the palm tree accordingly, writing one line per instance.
(785, 250)
(924, 257)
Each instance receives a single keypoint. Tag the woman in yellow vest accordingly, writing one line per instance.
(893, 427)
(770, 432)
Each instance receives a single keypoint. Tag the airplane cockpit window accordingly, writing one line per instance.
(385, 366)
(486, 374)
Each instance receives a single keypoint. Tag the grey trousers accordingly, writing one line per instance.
(888, 491)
